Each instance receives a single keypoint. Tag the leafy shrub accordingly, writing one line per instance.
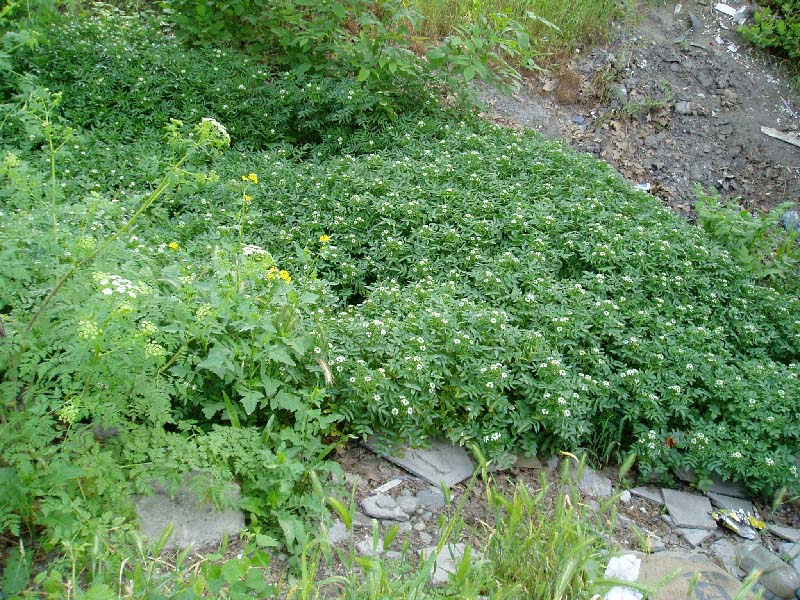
(777, 27)
(496, 288)
(758, 243)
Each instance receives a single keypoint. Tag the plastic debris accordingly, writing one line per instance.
(645, 187)
(725, 9)
(740, 522)
(624, 568)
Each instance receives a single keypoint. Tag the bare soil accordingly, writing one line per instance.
(676, 100)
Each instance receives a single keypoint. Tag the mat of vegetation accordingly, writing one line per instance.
(237, 291)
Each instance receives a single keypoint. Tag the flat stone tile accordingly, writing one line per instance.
(650, 493)
(731, 503)
(442, 462)
(689, 510)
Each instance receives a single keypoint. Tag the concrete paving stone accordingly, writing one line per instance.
(695, 536)
(787, 533)
(689, 510)
(731, 502)
(196, 523)
(650, 493)
(442, 462)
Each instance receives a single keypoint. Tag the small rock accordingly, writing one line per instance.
(787, 533)
(431, 498)
(725, 551)
(365, 547)
(446, 561)
(352, 480)
(338, 533)
(790, 552)
(689, 510)
(419, 526)
(694, 22)
(650, 493)
(383, 507)
(527, 462)
(552, 463)
(594, 484)
(791, 220)
(684, 108)
(361, 521)
(426, 516)
(777, 576)
(425, 538)
(654, 544)
(394, 555)
(404, 527)
(578, 120)
(695, 536)
(625, 497)
(408, 504)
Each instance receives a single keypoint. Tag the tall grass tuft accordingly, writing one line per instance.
(579, 23)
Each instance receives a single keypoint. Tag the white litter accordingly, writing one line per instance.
(624, 568)
(725, 9)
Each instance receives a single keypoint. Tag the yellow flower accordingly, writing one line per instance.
(324, 239)
(247, 197)
(283, 274)
(252, 177)
(271, 273)
(173, 246)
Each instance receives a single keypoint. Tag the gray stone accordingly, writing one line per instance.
(674, 575)
(689, 510)
(419, 526)
(528, 462)
(728, 488)
(725, 552)
(731, 503)
(649, 493)
(383, 507)
(431, 498)
(694, 536)
(425, 538)
(552, 463)
(403, 527)
(366, 548)
(790, 551)
(408, 504)
(361, 521)
(787, 533)
(684, 108)
(394, 555)
(654, 544)
(441, 463)
(777, 576)
(338, 533)
(594, 484)
(668, 520)
(625, 497)
(446, 561)
(196, 523)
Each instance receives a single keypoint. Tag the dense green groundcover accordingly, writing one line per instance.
(329, 275)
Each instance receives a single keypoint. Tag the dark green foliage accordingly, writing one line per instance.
(776, 27)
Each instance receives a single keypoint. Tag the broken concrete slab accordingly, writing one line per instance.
(713, 583)
(689, 510)
(728, 488)
(442, 462)
(447, 561)
(731, 503)
(695, 536)
(649, 493)
(383, 507)
(196, 523)
(787, 533)
(725, 552)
